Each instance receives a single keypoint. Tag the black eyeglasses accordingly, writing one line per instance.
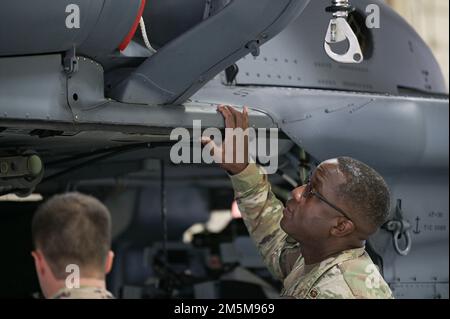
(309, 192)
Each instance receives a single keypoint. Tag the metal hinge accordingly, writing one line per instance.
(70, 61)
(399, 227)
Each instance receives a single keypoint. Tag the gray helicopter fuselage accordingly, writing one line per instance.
(390, 111)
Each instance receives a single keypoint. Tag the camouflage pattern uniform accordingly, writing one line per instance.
(83, 293)
(349, 274)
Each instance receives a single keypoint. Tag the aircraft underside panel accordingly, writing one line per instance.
(392, 132)
(48, 98)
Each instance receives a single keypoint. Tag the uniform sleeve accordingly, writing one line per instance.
(262, 213)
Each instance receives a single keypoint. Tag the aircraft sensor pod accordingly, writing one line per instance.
(93, 27)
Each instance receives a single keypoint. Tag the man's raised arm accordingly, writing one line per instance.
(260, 209)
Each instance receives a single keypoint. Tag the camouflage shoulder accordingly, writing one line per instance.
(364, 279)
(331, 285)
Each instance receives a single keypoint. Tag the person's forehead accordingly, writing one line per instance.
(333, 161)
(328, 173)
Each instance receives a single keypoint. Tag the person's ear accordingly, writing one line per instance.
(39, 261)
(109, 262)
(343, 227)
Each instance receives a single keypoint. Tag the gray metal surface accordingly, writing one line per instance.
(39, 27)
(423, 273)
(184, 65)
(34, 89)
(296, 57)
(367, 126)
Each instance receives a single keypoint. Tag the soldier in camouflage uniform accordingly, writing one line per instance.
(83, 293)
(72, 239)
(316, 244)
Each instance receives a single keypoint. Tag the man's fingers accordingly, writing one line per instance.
(228, 116)
(245, 118)
(238, 117)
(241, 118)
(216, 151)
(233, 113)
(205, 140)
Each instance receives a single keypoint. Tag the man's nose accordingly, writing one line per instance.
(297, 193)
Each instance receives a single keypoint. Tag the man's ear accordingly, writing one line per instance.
(39, 261)
(343, 227)
(109, 262)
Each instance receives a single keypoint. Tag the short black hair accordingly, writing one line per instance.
(73, 228)
(366, 191)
